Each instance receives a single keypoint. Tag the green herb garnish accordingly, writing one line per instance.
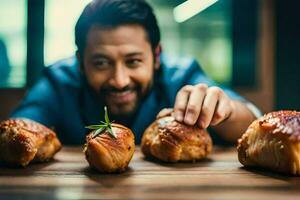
(103, 126)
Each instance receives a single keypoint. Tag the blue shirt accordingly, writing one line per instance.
(63, 100)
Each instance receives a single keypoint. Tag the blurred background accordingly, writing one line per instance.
(249, 45)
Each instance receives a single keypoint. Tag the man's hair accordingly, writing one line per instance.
(113, 13)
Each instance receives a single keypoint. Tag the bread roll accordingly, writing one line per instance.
(107, 154)
(23, 141)
(171, 141)
(273, 142)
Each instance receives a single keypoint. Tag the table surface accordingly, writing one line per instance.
(221, 176)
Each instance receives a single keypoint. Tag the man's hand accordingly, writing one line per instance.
(202, 105)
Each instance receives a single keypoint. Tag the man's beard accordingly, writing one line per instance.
(122, 110)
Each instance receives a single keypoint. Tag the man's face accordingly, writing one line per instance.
(119, 65)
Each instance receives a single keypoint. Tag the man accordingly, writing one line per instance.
(119, 64)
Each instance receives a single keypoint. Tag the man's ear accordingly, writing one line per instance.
(80, 61)
(157, 52)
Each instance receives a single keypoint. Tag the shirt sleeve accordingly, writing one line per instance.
(40, 104)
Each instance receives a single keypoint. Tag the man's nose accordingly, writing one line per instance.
(120, 77)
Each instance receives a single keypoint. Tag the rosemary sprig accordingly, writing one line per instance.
(103, 126)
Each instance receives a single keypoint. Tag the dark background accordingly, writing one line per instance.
(287, 54)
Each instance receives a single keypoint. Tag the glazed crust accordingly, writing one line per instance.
(107, 154)
(171, 141)
(23, 141)
(273, 142)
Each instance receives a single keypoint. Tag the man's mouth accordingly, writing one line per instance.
(122, 97)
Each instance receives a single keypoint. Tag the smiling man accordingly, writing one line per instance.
(119, 64)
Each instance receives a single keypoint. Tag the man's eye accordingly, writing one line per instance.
(101, 63)
(134, 62)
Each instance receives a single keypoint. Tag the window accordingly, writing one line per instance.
(60, 27)
(206, 36)
(13, 27)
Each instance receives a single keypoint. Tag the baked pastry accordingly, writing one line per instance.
(171, 141)
(108, 154)
(23, 141)
(272, 142)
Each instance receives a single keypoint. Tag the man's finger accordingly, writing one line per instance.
(209, 106)
(194, 104)
(164, 112)
(181, 100)
(221, 113)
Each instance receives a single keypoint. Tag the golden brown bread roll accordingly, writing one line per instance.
(108, 154)
(272, 142)
(172, 141)
(23, 141)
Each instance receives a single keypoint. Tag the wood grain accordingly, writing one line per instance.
(221, 176)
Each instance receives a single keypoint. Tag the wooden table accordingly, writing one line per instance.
(220, 177)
